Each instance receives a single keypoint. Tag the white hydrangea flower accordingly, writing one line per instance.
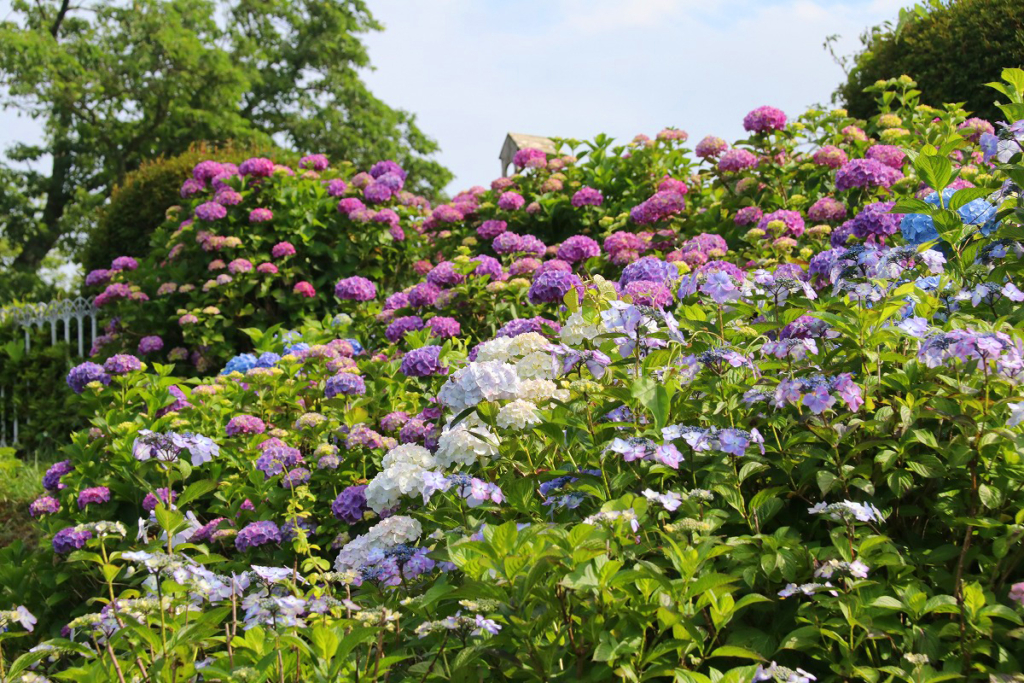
(476, 382)
(408, 453)
(576, 330)
(540, 391)
(518, 415)
(536, 365)
(527, 343)
(386, 534)
(464, 445)
(494, 350)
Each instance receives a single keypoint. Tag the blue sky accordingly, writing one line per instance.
(473, 70)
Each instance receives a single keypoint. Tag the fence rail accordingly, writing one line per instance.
(62, 315)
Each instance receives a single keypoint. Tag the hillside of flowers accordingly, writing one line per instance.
(732, 412)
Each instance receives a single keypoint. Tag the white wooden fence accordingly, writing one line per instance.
(70, 320)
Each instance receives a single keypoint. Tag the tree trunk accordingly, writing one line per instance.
(58, 194)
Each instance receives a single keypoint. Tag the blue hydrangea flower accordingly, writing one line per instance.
(241, 363)
(295, 348)
(918, 228)
(267, 359)
(356, 346)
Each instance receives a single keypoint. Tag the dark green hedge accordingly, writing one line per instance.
(951, 53)
(139, 204)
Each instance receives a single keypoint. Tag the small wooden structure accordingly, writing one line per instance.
(517, 141)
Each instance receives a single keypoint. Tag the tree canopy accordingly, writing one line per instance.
(117, 83)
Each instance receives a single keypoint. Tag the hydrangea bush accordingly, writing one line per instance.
(753, 420)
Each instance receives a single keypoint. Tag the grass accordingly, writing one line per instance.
(20, 484)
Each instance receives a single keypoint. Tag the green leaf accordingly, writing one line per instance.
(936, 171)
(195, 490)
(967, 195)
(736, 651)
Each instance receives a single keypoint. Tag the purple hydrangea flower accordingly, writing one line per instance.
(81, 375)
(350, 205)
(150, 502)
(400, 327)
(210, 211)
(866, 173)
(829, 156)
(578, 248)
(889, 155)
(444, 327)
(94, 495)
(488, 266)
(377, 192)
(150, 344)
(97, 277)
(511, 201)
(828, 210)
(387, 166)
(710, 146)
(393, 421)
(491, 229)
(736, 160)
(648, 293)
(71, 538)
(314, 162)
(44, 505)
(764, 119)
(344, 384)
(296, 477)
(552, 286)
(355, 289)
(260, 215)
(514, 328)
(423, 295)
(122, 364)
(423, 362)
(124, 263)
(748, 215)
(661, 205)
(587, 196)
(650, 269)
(257, 534)
(350, 504)
(793, 220)
(875, 221)
(445, 275)
(258, 167)
(51, 480)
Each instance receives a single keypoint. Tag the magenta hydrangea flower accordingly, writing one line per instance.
(710, 147)
(829, 156)
(446, 213)
(488, 230)
(150, 344)
(304, 289)
(530, 158)
(44, 505)
(673, 134)
(355, 288)
(205, 171)
(258, 167)
(531, 244)
(240, 265)
(423, 295)
(336, 187)
(377, 192)
(386, 166)
(150, 502)
(227, 197)
(350, 505)
(314, 162)
(764, 119)
(578, 248)
(245, 424)
(81, 375)
(396, 301)
(889, 155)
(748, 215)
(210, 211)
(553, 264)
(71, 538)
(658, 207)
(266, 269)
(96, 495)
(282, 249)
(257, 534)
(260, 215)
(344, 384)
(444, 327)
(350, 205)
(552, 286)
(828, 210)
(524, 266)
(124, 263)
(488, 266)
(122, 364)
(587, 196)
(793, 220)
(387, 216)
(393, 421)
(648, 293)
(507, 243)
(511, 201)
(422, 362)
(866, 173)
(736, 160)
(975, 128)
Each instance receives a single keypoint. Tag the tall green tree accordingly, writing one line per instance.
(115, 83)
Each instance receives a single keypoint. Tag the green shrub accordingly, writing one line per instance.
(139, 204)
(952, 52)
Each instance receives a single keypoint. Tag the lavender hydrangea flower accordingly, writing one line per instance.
(650, 269)
(44, 505)
(488, 266)
(578, 248)
(444, 275)
(424, 295)
(423, 362)
(793, 220)
(511, 201)
(296, 477)
(124, 263)
(393, 421)
(150, 344)
(443, 327)
(401, 326)
(210, 211)
(710, 146)
(748, 215)
(736, 160)
(875, 221)
(827, 209)
(587, 196)
(490, 229)
(95, 495)
(866, 173)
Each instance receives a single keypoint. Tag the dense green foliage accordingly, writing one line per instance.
(702, 439)
(118, 83)
(952, 50)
